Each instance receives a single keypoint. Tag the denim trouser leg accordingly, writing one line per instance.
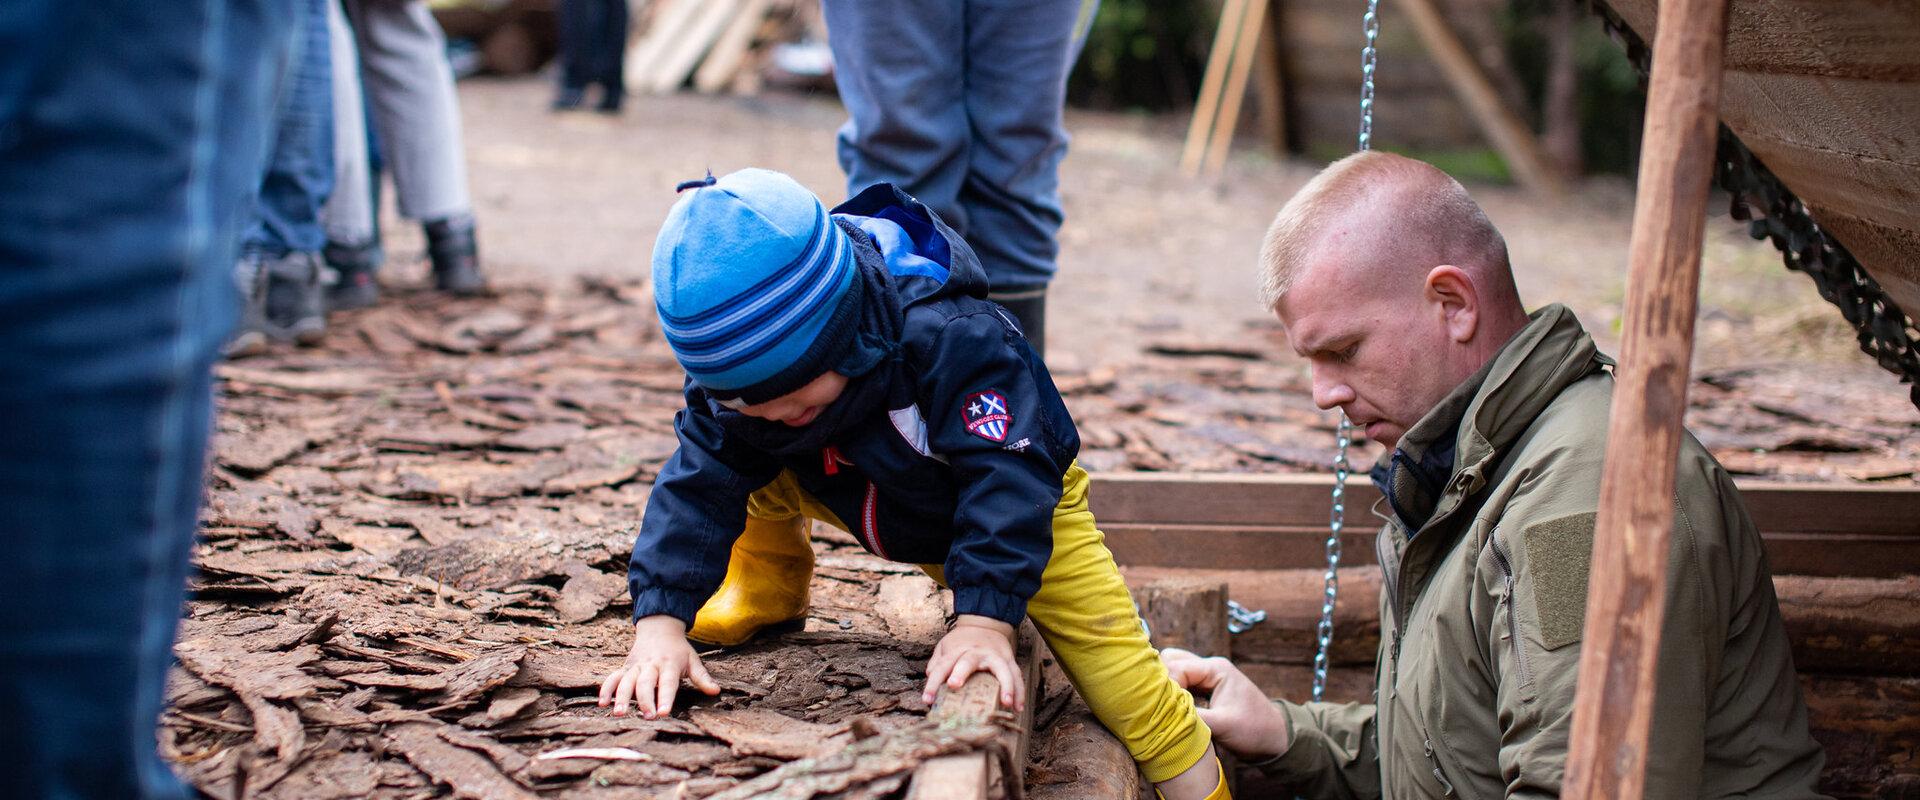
(407, 78)
(126, 159)
(299, 174)
(960, 104)
(348, 214)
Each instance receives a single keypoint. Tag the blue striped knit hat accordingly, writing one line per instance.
(756, 286)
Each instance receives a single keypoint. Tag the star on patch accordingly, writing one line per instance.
(986, 415)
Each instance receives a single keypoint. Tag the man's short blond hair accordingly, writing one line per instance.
(1416, 211)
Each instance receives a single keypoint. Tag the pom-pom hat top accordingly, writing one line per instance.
(755, 284)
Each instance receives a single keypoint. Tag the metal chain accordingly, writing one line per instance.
(1337, 521)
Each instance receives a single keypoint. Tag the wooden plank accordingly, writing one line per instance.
(717, 71)
(1504, 129)
(679, 59)
(1626, 595)
(972, 775)
(1245, 45)
(1300, 501)
(1874, 119)
(1187, 612)
(1207, 106)
(665, 21)
(1870, 39)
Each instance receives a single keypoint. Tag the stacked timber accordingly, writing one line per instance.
(716, 45)
(1844, 560)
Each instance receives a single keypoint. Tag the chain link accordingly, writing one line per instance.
(1335, 524)
(1337, 521)
(1371, 24)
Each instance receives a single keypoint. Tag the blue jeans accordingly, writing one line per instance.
(299, 175)
(131, 134)
(959, 103)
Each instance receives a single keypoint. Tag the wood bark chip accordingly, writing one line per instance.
(588, 593)
(469, 774)
(767, 733)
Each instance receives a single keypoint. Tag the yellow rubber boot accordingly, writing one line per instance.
(1219, 789)
(766, 584)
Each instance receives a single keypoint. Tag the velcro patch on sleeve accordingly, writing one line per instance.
(1559, 555)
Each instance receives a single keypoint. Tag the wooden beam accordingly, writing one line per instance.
(1187, 612)
(1504, 129)
(1245, 45)
(1270, 89)
(1207, 106)
(1626, 599)
(717, 70)
(682, 55)
(972, 776)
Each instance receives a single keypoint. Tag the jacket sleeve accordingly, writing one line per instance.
(697, 509)
(1332, 751)
(1001, 425)
(1535, 636)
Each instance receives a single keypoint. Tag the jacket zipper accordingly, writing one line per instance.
(870, 520)
(1513, 618)
(1434, 761)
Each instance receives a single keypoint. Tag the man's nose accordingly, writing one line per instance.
(1329, 391)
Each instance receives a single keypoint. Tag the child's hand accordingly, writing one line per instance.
(975, 643)
(651, 676)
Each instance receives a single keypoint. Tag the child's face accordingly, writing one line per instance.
(800, 406)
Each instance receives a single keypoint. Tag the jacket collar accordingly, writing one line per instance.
(1445, 457)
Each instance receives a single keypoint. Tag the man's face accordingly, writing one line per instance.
(1379, 353)
(801, 406)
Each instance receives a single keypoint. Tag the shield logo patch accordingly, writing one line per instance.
(986, 415)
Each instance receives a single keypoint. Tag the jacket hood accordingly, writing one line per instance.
(925, 257)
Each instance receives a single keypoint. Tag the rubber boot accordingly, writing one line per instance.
(455, 254)
(1029, 308)
(1220, 791)
(766, 584)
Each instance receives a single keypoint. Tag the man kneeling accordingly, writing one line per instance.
(1396, 288)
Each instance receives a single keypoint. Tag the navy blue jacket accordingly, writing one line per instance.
(967, 476)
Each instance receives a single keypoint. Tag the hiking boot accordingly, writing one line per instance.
(766, 586)
(353, 267)
(250, 338)
(295, 307)
(455, 255)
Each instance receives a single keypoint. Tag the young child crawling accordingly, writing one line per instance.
(845, 366)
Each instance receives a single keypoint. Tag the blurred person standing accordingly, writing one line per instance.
(132, 134)
(279, 270)
(960, 104)
(593, 50)
(353, 249)
(405, 75)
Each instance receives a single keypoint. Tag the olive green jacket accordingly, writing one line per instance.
(1482, 610)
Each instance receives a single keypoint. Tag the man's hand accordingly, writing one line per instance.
(651, 676)
(1242, 718)
(976, 643)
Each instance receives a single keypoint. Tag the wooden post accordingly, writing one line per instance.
(1207, 106)
(1188, 613)
(1626, 599)
(1252, 24)
(1503, 128)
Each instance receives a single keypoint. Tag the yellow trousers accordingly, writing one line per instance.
(1087, 618)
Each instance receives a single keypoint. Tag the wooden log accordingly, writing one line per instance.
(1098, 765)
(973, 775)
(1186, 612)
(1207, 106)
(1504, 129)
(1863, 626)
(1613, 706)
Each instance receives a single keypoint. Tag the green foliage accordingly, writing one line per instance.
(1611, 101)
(1143, 55)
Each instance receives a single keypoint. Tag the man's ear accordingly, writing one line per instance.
(1453, 296)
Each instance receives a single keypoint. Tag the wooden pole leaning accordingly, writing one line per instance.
(1207, 106)
(1626, 598)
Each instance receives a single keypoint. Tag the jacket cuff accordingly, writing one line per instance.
(983, 601)
(655, 600)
